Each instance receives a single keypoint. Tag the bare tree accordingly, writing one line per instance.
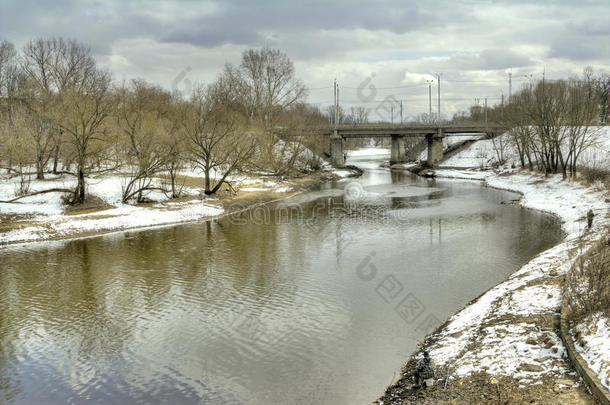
(174, 143)
(581, 112)
(357, 116)
(15, 136)
(425, 118)
(544, 107)
(340, 117)
(520, 133)
(51, 66)
(551, 124)
(142, 108)
(499, 146)
(265, 84)
(36, 129)
(8, 69)
(81, 114)
(217, 142)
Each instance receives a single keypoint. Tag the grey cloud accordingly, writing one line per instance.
(245, 23)
(207, 24)
(157, 39)
(580, 48)
(99, 24)
(489, 59)
(585, 40)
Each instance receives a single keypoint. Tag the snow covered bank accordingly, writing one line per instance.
(123, 217)
(44, 216)
(592, 340)
(483, 153)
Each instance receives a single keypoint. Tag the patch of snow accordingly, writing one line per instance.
(515, 350)
(462, 174)
(594, 345)
(343, 173)
(369, 152)
(251, 189)
(531, 300)
(284, 189)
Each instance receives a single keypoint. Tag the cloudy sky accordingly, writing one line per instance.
(379, 51)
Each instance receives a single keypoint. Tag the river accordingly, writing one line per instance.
(318, 299)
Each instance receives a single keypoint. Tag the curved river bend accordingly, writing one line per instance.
(318, 299)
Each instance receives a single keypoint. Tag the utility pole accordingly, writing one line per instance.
(392, 113)
(438, 78)
(336, 118)
(338, 115)
(510, 86)
(335, 103)
(485, 110)
(429, 98)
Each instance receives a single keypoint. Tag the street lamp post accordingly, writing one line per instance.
(438, 84)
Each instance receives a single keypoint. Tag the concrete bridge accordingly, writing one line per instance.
(433, 133)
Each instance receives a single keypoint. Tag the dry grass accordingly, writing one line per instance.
(92, 204)
(588, 284)
(591, 177)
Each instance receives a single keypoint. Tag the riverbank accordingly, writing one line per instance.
(504, 347)
(46, 217)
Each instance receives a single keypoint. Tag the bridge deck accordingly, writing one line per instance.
(411, 131)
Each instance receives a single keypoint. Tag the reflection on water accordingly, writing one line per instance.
(314, 300)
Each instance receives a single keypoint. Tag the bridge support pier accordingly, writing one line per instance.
(435, 148)
(336, 150)
(398, 154)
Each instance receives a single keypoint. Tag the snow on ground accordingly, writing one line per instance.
(569, 200)
(44, 213)
(594, 345)
(124, 217)
(482, 154)
(264, 185)
(453, 139)
(598, 155)
(369, 152)
(462, 174)
(498, 333)
(44, 204)
(343, 173)
(43, 216)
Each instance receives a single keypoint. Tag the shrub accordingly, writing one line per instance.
(588, 283)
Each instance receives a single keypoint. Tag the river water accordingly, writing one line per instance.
(318, 299)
